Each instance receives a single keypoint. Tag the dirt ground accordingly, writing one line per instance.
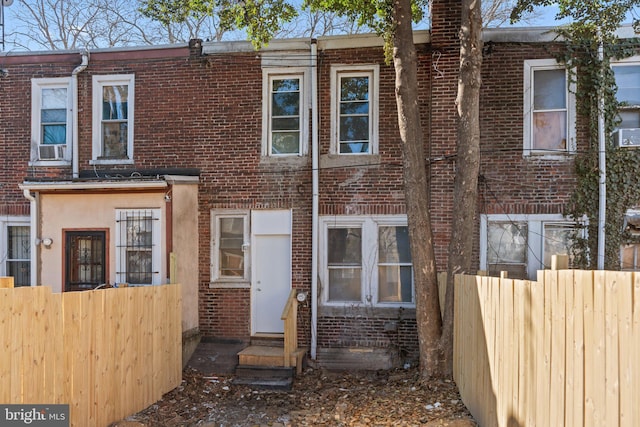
(318, 398)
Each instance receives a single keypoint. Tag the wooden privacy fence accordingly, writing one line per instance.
(107, 353)
(560, 351)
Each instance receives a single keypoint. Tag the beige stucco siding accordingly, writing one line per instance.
(59, 212)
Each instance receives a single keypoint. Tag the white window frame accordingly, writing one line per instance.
(268, 76)
(371, 71)
(216, 215)
(37, 85)
(5, 223)
(369, 226)
(99, 81)
(530, 67)
(535, 236)
(628, 62)
(121, 244)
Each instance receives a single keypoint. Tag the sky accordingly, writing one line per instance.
(546, 19)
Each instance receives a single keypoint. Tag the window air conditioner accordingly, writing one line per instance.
(627, 137)
(52, 152)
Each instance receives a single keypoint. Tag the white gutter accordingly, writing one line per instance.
(315, 197)
(35, 240)
(127, 185)
(602, 161)
(74, 90)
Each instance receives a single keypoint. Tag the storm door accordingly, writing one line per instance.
(85, 260)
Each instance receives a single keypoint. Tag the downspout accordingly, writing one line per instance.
(35, 232)
(74, 90)
(315, 196)
(602, 162)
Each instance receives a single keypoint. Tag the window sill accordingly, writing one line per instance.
(221, 284)
(50, 163)
(546, 155)
(111, 162)
(342, 160)
(285, 161)
(346, 310)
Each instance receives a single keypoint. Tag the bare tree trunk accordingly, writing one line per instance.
(465, 193)
(415, 188)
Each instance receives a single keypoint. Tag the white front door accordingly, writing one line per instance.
(271, 269)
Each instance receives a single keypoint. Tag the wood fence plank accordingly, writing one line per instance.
(626, 356)
(17, 332)
(104, 384)
(594, 352)
(544, 374)
(537, 316)
(613, 282)
(582, 280)
(558, 346)
(636, 344)
(520, 331)
(6, 302)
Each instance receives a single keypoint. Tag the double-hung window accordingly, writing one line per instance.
(627, 76)
(113, 106)
(523, 244)
(354, 109)
(284, 118)
(230, 246)
(549, 109)
(51, 120)
(367, 260)
(138, 247)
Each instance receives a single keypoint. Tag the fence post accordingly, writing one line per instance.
(560, 262)
(6, 282)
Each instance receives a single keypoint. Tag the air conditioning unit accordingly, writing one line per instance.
(52, 152)
(627, 137)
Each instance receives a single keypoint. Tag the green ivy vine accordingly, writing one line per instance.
(591, 77)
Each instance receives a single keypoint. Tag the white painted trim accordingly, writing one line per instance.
(369, 279)
(213, 246)
(269, 74)
(37, 85)
(530, 66)
(99, 81)
(373, 72)
(52, 186)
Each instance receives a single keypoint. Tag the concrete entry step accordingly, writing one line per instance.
(265, 377)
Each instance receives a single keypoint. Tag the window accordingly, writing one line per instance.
(549, 109)
(230, 243)
(627, 76)
(355, 110)
(113, 106)
(285, 122)
(367, 260)
(17, 253)
(629, 251)
(523, 244)
(50, 120)
(138, 248)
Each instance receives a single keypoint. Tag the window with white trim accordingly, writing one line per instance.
(366, 260)
(627, 77)
(354, 109)
(549, 109)
(15, 250)
(51, 121)
(138, 246)
(113, 107)
(285, 120)
(523, 244)
(230, 246)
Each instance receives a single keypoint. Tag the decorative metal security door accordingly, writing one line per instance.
(85, 257)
